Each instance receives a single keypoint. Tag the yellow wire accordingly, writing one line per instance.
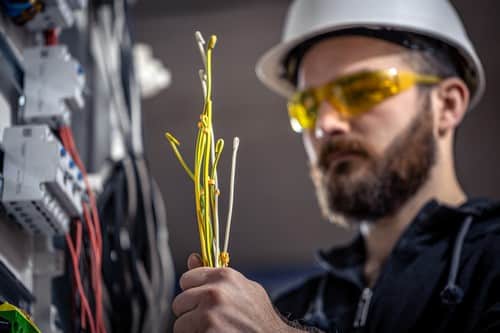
(174, 143)
(204, 174)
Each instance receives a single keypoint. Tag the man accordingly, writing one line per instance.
(378, 89)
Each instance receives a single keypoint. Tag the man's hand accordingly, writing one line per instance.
(223, 300)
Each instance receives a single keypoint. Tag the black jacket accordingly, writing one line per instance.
(443, 275)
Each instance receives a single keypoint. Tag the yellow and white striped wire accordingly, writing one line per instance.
(204, 174)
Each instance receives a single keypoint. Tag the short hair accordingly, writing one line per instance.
(427, 63)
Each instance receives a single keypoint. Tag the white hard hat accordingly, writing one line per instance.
(433, 19)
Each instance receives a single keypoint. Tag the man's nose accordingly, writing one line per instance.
(330, 122)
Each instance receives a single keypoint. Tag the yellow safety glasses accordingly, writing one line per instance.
(352, 95)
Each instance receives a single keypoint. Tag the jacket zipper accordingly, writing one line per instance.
(363, 307)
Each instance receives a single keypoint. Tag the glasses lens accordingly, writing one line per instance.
(361, 92)
(302, 111)
(352, 95)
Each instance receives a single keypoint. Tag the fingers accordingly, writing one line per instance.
(194, 261)
(203, 275)
(189, 280)
(185, 323)
(194, 278)
(186, 301)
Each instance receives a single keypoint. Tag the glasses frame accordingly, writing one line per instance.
(350, 95)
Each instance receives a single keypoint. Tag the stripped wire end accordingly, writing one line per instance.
(201, 45)
(212, 42)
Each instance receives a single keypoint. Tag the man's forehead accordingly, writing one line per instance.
(338, 56)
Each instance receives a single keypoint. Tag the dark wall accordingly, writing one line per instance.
(276, 219)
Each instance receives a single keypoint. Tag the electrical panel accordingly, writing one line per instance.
(63, 265)
(43, 188)
(54, 84)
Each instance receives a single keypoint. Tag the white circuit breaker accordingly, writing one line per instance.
(43, 188)
(53, 85)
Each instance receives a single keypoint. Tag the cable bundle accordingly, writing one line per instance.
(121, 269)
(87, 241)
(139, 277)
(92, 225)
(204, 176)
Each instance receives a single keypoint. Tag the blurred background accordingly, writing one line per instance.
(277, 226)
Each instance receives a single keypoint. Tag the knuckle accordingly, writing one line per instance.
(213, 296)
(223, 274)
(226, 274)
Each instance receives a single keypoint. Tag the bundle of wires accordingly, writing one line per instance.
(84, 243)
(91, 320)
(120, 264)
(204, 174)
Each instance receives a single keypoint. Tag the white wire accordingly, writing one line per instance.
(216, 205)
(236, 144)
(203, 80)
(201, 45)
(103, 36)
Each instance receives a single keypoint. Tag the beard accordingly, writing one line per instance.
(367, 187)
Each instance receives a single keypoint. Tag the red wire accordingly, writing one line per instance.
(93, 226)
(96, 264)
(51, 37)
(78, 253)
(74, 152)
(78, 246)
(78, 278)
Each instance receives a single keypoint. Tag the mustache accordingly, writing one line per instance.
(340, 147)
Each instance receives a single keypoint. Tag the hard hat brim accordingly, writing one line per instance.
(270, 68)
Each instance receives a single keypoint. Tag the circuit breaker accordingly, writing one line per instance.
(43, 187)
(54, 84)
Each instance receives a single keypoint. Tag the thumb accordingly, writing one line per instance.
(194, 261)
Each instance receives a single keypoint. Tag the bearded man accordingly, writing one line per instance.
(377, 89)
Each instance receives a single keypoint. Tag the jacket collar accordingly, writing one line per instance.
(433, 220)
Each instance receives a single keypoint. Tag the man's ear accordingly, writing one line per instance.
(451, 99)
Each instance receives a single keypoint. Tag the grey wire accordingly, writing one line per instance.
(149, 318)
(145, 188)
(129, 221)
(167, 265)
(131, 192)
(135, 114)
(104, 38)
